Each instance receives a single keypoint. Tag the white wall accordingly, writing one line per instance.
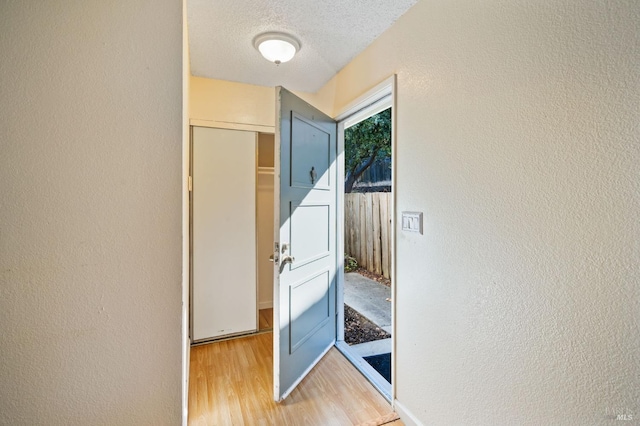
(517, 134)
(226, 104)
(90, 236)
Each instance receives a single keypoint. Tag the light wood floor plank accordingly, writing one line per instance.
(230, 383)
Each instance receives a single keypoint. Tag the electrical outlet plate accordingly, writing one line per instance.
(412, 222)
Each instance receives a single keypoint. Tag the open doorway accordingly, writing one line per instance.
(365, 329)
(319, 191)
(367, 241)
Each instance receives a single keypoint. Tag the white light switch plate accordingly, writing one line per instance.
(412, 222)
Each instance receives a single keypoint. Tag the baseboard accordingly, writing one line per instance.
(406, 416)
(265, 305)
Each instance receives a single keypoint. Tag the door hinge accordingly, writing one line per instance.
(190, 183)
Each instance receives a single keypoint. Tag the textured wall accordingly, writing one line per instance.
(518, 137)
(90, 230)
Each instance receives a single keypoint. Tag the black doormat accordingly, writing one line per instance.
(382, 364)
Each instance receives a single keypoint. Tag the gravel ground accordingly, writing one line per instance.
(358, 329)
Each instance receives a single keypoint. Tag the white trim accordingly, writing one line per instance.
(301, 378)
(392, 214)
(340, 234)
(256, 179)
(407, 417)
(372, 109)
(185, 408)
(185, 216)
(231, 125)
(276, 239)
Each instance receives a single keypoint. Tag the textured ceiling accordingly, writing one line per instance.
(332, 32)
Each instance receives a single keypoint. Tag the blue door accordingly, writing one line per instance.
(305, 235)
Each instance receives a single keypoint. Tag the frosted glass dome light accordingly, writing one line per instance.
(276, 47)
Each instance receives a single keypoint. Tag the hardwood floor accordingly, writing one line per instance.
(230, 383)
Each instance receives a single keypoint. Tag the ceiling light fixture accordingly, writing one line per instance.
(276, 47)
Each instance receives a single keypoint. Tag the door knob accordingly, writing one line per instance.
(285, 260)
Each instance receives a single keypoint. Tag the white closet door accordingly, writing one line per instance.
(224, 233)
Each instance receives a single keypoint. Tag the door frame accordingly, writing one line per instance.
(375, 100)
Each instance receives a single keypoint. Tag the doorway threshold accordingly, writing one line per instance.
(375, 378)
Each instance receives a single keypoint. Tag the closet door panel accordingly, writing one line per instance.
(223, 233)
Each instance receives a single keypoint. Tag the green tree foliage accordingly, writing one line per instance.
(364, 143)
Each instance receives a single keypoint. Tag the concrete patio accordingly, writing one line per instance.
(370, 299)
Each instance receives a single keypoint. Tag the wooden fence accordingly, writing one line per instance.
(367, 230)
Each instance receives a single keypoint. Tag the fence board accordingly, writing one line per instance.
(368, 225)
(356, 228)
(362, 215)
(348, 225)
(375, 220)
(369, 228)
(384, 236)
